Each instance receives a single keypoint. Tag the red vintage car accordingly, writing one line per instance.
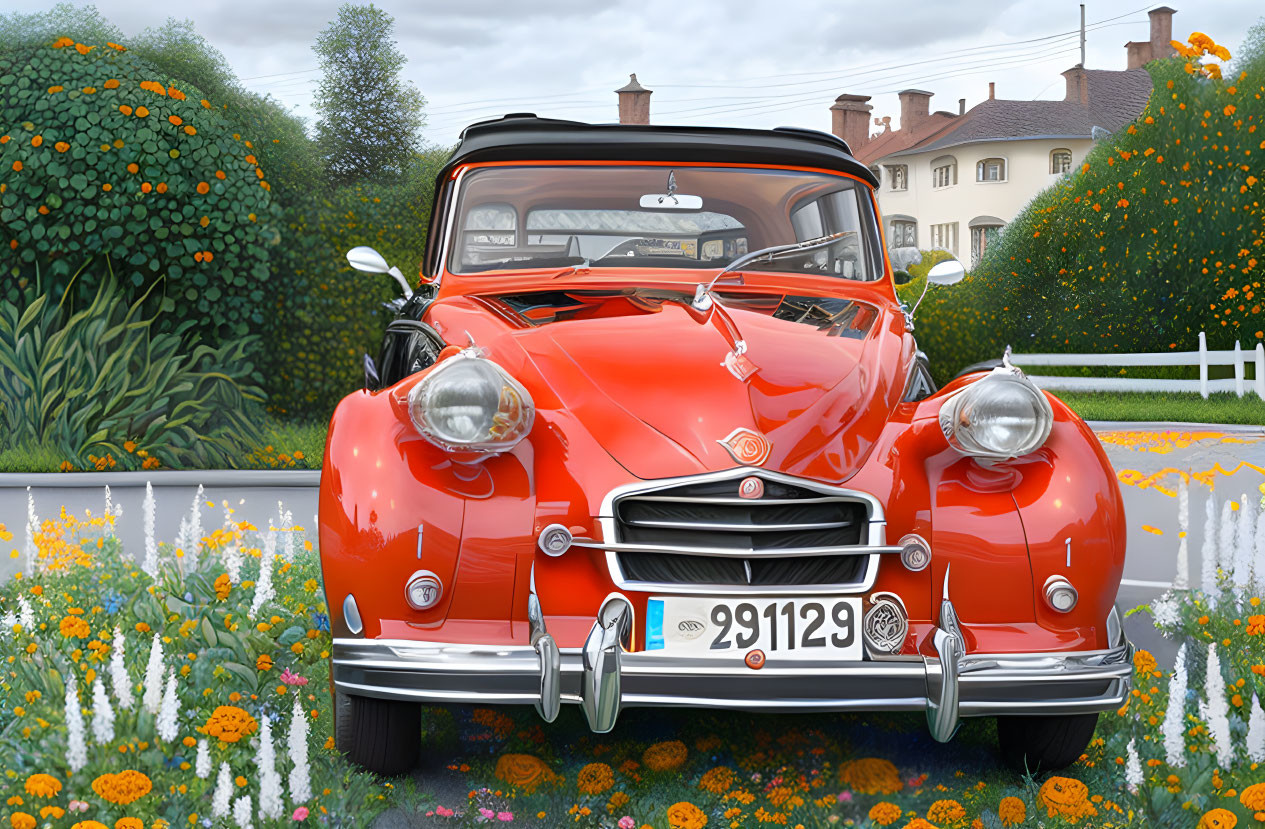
(652, 429)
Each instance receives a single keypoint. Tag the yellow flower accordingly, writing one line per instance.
(21, 820)
(1143, 661)
(42, 785)
(665, 756)
(230, 723)
(223, 586)
(263, 663)
(946, 811)
(1012, 811)
(122, 788)
(1218, 819)
(129, 823)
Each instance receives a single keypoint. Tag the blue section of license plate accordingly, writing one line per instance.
(654, 625)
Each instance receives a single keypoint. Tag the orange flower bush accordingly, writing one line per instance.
(686, 815)
(871, 775)
(664, 756)
(595, 778)
(523, 771)
(122, 788)
(229, 724)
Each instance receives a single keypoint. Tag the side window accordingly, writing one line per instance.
(991, 169)
(1060, 161)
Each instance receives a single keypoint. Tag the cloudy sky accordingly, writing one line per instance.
(717, 62)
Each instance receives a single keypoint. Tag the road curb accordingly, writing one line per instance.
(184, 478)
(1168, 426)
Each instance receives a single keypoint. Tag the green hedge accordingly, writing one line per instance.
(1156, 237)
(104, 156)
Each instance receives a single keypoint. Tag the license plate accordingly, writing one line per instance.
(802, 627)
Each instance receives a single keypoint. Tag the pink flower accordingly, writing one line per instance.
(299, 813)
(292, 679)
(77, 806)
(487, 814)
(626, 822)
(844, 797)
(444, 811)
(505, 817)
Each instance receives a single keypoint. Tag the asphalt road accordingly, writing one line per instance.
(1219, 464)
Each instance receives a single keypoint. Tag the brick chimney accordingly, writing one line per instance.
(915, 107)
(992, 90)
(1139, 52)
(850, 119)
(634, 102)
(1161, 32)
(1077, 85)
(961, 106)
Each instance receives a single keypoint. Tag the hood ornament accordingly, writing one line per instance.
(747, 447)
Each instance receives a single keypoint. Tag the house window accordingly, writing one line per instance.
(982, 238)
(991, 169)
(1060, 161)
(898, 176)
(944, 171)
(945, 237)
(904, 235)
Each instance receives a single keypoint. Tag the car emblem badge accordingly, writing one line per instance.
(690, 628)
(747, 447)
(751, 487)
(755, 660)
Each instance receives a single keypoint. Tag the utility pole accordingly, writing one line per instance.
(1082, 35)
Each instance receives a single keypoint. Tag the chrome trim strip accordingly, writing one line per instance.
(777, 502)
(943, 691)
(876, 540)
(450, 221)
(738, 552)
(739, 528)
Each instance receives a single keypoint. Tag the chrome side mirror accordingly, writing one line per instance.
(948, 272)
(368, 260)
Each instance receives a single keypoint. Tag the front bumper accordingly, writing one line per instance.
(603, 678)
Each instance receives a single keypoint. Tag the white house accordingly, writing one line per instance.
(953, 181)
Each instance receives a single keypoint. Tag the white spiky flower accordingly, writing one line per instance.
(221, 801)
(76, 747)
(195, 523)
(1208, 556)
(120, 681)
(271, 805)
(1255, 742)
(168, 725)
(1245, 530)
(1215, 710)
(102, 714)
(233, 564)
(1174, 727)
(152, 699)
(300, 773)
(148, 508)
(1181, 579)
(242, 812)
(30, 551)
(26, 615)
(1258, 566)
(287, 533)
(1225, 538)
(202, 765)
(7, 622)
(263, 586)
(1133, 767)
(1166, 612)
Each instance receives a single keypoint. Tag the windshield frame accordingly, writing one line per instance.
(870, 238)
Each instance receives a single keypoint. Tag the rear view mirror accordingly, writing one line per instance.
(948, 272)
(367, 260)
(671, 201)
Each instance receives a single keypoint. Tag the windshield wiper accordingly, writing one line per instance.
(703, 293)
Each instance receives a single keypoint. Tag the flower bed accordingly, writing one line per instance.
(196, 683)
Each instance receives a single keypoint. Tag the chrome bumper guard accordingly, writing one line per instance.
(603, 677)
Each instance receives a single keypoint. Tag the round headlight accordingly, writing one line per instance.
(1001, 416)
(470, 403)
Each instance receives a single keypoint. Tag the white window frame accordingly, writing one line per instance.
(898, 173)
(1057, 151)
(979, 233)
(945, 237)
(981, 168)
(901, 224)
(949, 165)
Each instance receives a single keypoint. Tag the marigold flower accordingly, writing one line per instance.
(63, 42)
(61, 146)
(523, 771)
(1012, 811)
(141, 112)
(73, 627)
(82, 49)
(21, 820)
(122, 788)
(42, 785)
(129, 823)
(37, 140)
(665, 756)
(686, 815)
(263, 663)
(125, 109)
(203, 188)
(53, 90)
(884, 813)
(871, 775)
(230, 724)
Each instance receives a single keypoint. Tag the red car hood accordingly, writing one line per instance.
(652, 388)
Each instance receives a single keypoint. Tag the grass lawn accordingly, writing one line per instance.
(1181, 408)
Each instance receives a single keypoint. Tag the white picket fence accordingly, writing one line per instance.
(1202, 358)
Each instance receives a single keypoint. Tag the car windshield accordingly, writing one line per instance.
(535, 217)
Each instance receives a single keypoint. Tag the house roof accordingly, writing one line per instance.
(1115, 99)
(894, 141)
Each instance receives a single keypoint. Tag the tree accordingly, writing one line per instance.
(370, 119)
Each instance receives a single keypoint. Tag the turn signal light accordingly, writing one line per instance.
(1059, 594)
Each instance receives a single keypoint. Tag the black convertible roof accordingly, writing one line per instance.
(524, 137)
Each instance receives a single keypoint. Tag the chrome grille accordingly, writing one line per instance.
(701, 533)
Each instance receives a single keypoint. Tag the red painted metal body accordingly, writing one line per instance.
(627, 391)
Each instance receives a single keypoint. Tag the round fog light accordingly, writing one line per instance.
(423, 590)
(554, 540)
(915, 552)
(1059, 594)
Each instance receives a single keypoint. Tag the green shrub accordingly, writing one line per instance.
(328, 315)
(103, 154)
(102, 383)
(1156, 237)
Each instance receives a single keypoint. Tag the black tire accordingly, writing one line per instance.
(1044, 743)
(381, 735)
